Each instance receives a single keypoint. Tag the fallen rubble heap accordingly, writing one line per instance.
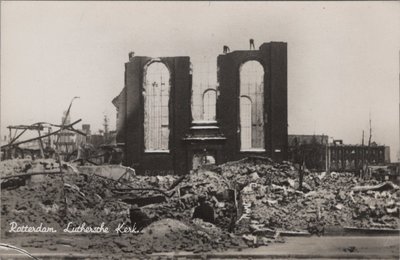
(255, 200)
(269, 192)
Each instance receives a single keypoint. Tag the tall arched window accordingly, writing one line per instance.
(204, 79)
(156, 109)
(209, 103)
(252, 106)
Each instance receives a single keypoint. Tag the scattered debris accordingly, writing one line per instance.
(379, 187)
(256, 202)
(351, 249)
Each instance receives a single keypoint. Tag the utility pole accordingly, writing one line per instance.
(362, 141)
(369, 146)
(370, 131)
(105, 124)
(363, 155)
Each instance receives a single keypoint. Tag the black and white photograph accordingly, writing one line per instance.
(200, 130)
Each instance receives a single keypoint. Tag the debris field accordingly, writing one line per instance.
(255, 200)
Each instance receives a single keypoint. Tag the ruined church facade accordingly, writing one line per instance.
(154, 119)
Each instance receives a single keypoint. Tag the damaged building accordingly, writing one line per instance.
(320, 155)
(156, 128)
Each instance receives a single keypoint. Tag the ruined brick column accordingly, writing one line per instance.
(273, 57)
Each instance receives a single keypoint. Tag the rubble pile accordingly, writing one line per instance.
(204, 182)
(169, 235)
(32, 205)
(270, 198)
(58, 199)
(11, 167)
(185, 197)
(251, 169)
(377, 208)
(166, 235)
(254, 198)
(162, 183)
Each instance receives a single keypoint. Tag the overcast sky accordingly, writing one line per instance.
(343, 58)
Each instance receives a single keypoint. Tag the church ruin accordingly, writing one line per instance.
(244, 114)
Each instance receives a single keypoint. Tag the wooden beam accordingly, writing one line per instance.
(43, 136)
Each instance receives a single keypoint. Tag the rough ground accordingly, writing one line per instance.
(274, 201)
(267, 197)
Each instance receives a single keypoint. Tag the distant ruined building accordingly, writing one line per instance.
(318, 154)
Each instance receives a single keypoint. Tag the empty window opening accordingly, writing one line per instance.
(209, 103)
(201, 158)
(156, 108)
(252, 106)
(204, 81)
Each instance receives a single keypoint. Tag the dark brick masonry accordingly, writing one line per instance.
(273, 57)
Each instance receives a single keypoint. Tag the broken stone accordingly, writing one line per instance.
(254, 176)
(121, 243)
(380, 187)
(339, 206)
